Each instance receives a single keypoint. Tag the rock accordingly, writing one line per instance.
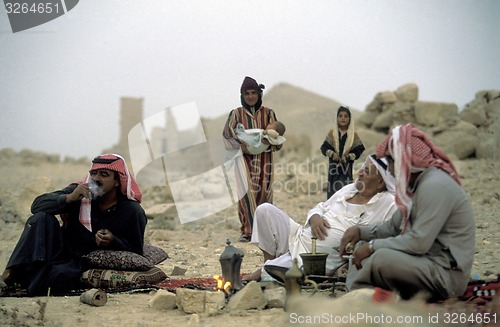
(493, 94)
(403, 113)
(383, 121)
(374, 106)
(214, 302)
(178, 271)
(163, 300)
(492, 109)
(434, 113)
(407, 92)
(190, 301)
(164, 210)
(463, 126)
(197, 301)
(474, 113)
(386, 97)
(275, 297)
(370, 138)
(249, 297)
(389, 109)
(194, 320)
(162, 216)
(485, 146)
(461, 144)
(367, 118)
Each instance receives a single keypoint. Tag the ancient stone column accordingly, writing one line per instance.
(130, 115)
(496, 120)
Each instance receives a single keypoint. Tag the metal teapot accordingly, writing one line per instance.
(230, 261)
(294, 280)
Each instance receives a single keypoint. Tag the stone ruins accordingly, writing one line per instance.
(468, 133)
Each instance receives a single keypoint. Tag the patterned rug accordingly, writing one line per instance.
(169, 284)
(193, 283)
(481, 296)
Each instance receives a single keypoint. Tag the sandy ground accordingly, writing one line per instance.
(196, 247)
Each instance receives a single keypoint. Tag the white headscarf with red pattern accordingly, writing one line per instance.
(128, 185)
(412, 152)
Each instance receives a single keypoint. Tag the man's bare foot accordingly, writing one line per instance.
(5, 278)
(256, 276)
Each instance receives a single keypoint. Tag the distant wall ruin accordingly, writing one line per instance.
(131, 113)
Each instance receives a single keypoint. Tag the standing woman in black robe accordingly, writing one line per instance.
(342, 146)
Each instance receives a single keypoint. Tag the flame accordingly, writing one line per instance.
(227, 286)
(221, 286)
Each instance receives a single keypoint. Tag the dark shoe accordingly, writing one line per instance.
(245, 238)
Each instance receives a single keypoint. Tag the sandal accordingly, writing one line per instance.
(245, 238)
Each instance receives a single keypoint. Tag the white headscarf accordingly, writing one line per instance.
(382, 167)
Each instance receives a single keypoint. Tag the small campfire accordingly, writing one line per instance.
(228, 282)
(221, 285)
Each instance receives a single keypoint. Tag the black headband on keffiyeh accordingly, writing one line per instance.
(379, 161)
(99, 160)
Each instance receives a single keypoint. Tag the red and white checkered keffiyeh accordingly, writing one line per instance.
(128, 185)
(412, 151)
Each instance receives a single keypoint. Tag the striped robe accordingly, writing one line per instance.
(253, 172)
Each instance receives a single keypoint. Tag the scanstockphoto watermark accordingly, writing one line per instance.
(432, 318)
(26, 14)
(356, 318)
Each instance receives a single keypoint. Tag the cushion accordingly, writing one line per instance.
(155, 254)
(125, 260)
(108, 278)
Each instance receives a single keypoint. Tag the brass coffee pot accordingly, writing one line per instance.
(294, 280)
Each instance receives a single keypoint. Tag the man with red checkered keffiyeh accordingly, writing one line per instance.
(428, 245)
(102, 211)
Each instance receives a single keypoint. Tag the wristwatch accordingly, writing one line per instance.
(370, 246)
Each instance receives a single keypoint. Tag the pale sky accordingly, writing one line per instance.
(61, 82)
